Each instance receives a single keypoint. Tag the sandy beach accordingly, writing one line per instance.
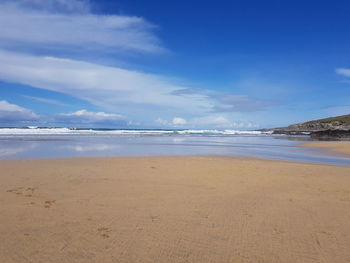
(338, 146)
(173, 209)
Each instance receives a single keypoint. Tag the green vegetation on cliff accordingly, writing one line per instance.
(345, 119)
(339, 123)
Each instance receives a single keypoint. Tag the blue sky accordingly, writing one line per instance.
(173, 64)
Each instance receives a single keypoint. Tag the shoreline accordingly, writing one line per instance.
(271, 147)
(199, 156)
(341, 147)
(174, 208)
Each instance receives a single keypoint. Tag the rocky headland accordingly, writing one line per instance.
(334, 127)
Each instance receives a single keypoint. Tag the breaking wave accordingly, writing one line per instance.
(33, 130)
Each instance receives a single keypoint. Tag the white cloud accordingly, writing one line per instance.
(46, 100)
(39, 24)
(343, 72)
(216, 121)
(161, 122)
(177, 121)
(14, 113)
(111, 88)
(76, 6)
(45, 27)
(90, 114)
(221, 122)
(131, 93)
(5, 106)
(239, 103)
(84, 116)
(210, 121)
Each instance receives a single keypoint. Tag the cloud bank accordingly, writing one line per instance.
(214, 121)
(107, 87)
(87, 117)
(14, 113)
(56, 6)
(177, 121)
(114, 89)
(39, 24)
(57, 26)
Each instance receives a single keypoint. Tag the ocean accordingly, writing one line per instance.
(47, 143)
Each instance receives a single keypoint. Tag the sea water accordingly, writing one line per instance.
(43, 143)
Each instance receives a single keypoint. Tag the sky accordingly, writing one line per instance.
(239, 64)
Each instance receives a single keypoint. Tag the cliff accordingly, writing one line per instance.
(335, 126)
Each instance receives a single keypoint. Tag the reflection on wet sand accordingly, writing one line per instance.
(90, 148)
(8, 150)
(65, 146)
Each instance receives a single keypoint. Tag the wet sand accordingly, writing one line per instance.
(173, 209)
(339, 146)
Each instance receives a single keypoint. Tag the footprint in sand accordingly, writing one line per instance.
(104, 232)
(49, 203)
(27, 192)
(17, 191)
(154, 218)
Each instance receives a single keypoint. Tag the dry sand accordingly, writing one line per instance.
(173, 209)
(339, 146)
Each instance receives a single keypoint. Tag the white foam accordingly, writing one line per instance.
(68, 131)
(222, 132)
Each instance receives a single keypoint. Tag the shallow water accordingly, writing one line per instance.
(43, 146)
